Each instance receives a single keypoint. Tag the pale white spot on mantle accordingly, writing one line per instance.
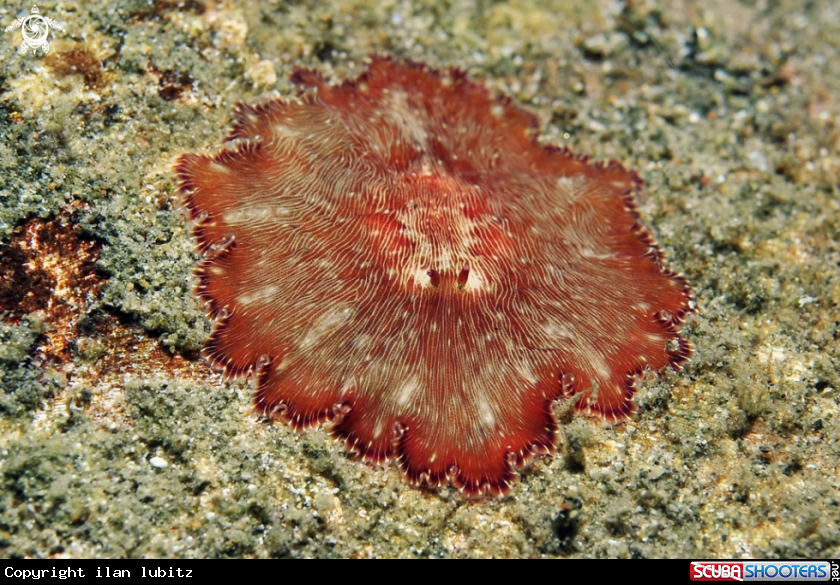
(326, 324)
(259, 294)
(407, 390)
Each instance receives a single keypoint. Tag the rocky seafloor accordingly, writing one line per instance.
(118, 440)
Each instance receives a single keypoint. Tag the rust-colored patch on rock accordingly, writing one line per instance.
(162, 8)
(49, 267)
(77, 60)
(399, 256)
(172, 84)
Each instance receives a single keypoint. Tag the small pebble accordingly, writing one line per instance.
(158, 462)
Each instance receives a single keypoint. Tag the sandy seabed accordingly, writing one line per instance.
(117, 440)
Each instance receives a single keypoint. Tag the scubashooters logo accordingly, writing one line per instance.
(762, 571)
(710, 571)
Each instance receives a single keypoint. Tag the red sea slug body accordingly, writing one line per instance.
(398, 255)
